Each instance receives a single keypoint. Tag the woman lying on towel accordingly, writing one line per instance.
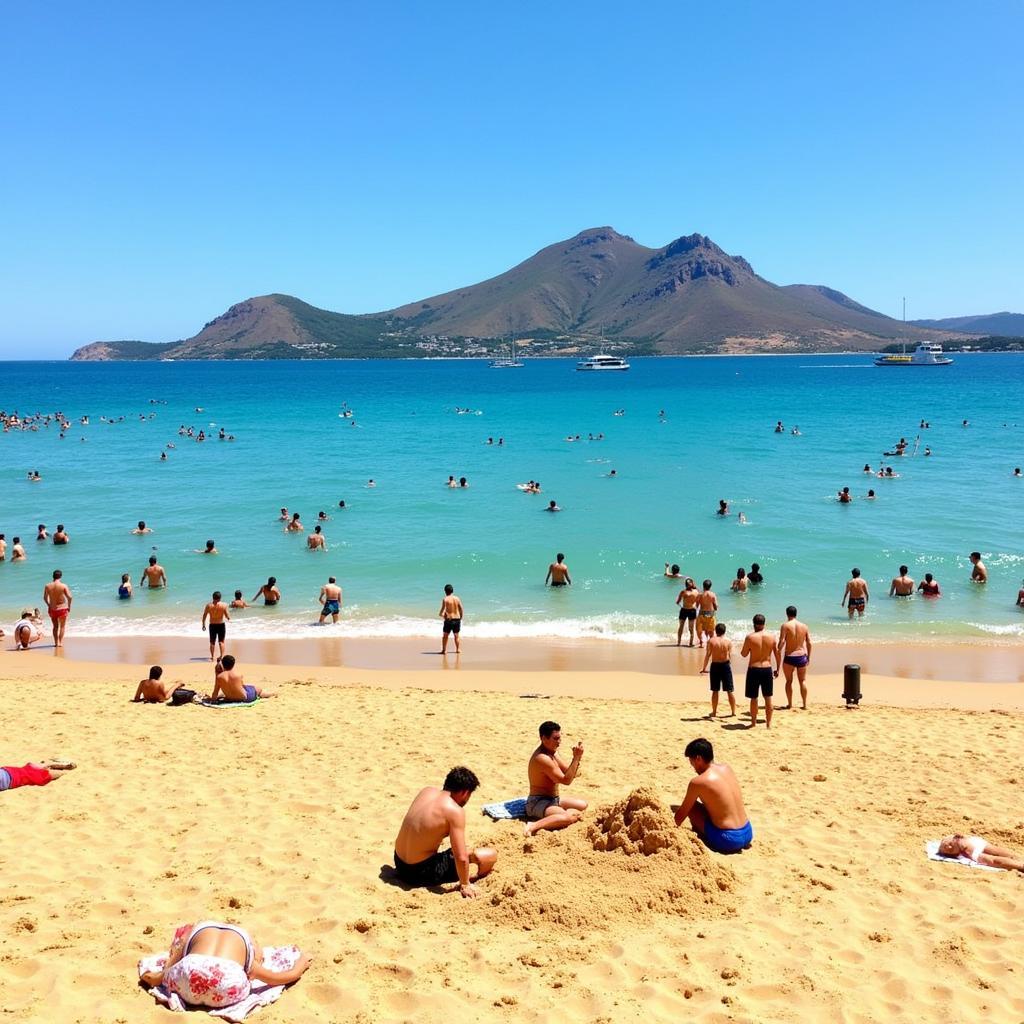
(975, 848)
(213, 964)
(34, 773)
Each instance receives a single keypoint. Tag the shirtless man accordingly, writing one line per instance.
(316, 541)
(436, 814)
(153, 575)
(239, 601)
(558, 572)
(672, 572)
(687, 601)
(210, 549)
(718, 654)
(154, 690)
(855, 596)
(902, 585)
(17, 551)
(979, 574)
(545, 808)
(707, 605)
(269, 592)
(713, 803)
(451, 611)
(795, 651)
(26, 632)
(142, 528)
(3, 547)
(229, 684)
(330, 598)
(294, 526)
(760, 647)
(57, 597)
(60, 535)
(217, 612)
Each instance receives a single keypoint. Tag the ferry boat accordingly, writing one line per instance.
(926, 354)
(602, 362)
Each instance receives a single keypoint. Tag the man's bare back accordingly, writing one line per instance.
(154, 577)
(793, 639)
(427, 823)
(719, 791)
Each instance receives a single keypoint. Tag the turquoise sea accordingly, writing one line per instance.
(396, 544)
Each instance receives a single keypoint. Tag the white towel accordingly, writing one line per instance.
(279, 958)
(932, 849)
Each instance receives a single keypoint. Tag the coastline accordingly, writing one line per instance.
(953, 675)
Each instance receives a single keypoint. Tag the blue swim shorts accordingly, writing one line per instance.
(727, 840)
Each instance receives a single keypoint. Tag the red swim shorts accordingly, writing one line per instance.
(59, 613)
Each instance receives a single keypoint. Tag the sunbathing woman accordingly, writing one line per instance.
(214, 964)
(975, 848)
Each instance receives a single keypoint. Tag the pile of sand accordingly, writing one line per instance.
(630, 861)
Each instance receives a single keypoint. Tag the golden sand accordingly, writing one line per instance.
(282, 817)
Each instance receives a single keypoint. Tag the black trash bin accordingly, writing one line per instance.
(851, 685)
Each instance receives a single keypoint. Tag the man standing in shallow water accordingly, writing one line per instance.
(855, 596)
(687, 600)
(558, 572)
(153, 575)
(57, 596)
(451, 612)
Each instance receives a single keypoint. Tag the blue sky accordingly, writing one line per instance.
(161, 162)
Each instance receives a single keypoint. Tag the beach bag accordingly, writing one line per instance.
(182, 696)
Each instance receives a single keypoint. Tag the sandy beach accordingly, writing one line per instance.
(282, 817)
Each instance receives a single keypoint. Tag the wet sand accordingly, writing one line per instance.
(993, 663)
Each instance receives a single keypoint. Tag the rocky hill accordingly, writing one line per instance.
(598, 288)
(1008, 325)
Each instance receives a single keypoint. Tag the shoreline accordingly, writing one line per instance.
(966, 664)
(623, 686)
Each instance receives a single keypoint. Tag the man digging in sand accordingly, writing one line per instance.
(713, 803)
(432, 816)
(545, 808)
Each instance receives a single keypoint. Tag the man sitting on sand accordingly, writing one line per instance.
(432, 816)
(545, 808)
(154, 690)
(229, 685)
(713, 803)
(35, 773)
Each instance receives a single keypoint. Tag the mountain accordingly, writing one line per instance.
(599, 288)
(689, 295)
(1009, 325)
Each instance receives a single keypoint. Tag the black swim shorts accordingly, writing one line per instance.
(685, 614)
(218, 631)
(437, 869)
(721, 676)
(759, 679)
(453, 625)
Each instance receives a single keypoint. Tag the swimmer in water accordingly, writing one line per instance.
(210, 549)
(552, 507)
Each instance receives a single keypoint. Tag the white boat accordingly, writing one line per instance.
(602, 362)
(508, 362)
(926, 354)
